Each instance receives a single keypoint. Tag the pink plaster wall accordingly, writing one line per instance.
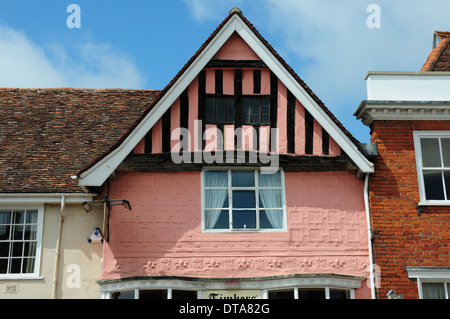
(236, 49)
(162, 235)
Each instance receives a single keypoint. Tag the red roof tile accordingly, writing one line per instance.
(439, 58)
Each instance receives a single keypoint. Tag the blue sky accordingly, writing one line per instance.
(143, 44)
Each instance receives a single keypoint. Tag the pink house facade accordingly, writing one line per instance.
(242, 184)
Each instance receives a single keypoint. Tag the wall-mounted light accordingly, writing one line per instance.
(87, 206)
(106, 203)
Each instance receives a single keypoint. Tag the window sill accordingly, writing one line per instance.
(233, 231)
(434, 203)
(20, 277)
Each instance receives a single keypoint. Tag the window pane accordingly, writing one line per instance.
(18, 232)
(271, 219)
(242, 178)
(30, 232)
(220, 109)
(447, 184)
(17, 250)
(256, 111)
(339, 294)
(209, 112)
(184, 294)
(4, 232)
(16, 265)
(270, 198)
(153, 294)
(28, 265)
(19, 216)
(433, 185)
(269, 180)
(217, 219)
(124, 295)
(433, 290)
(244, 219)
(3, 265)
(230, 110)
(430, 152)
(5, 217)
(246, 110)
(4, 249)
(311, 293)
(445, 142)
(31, 217)
(30, 249)
(265, 118)
(244, 199)
(281, 294)
(216, 198)
(216, 178)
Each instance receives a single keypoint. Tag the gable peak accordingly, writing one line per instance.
(235, 10)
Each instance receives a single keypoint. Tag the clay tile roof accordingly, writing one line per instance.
(439, 58)
(47, 135)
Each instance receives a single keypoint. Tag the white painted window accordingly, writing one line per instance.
(243, 200)
(432, 282)
(20, 242)
(433, 166)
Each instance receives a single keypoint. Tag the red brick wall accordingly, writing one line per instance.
(402, 237)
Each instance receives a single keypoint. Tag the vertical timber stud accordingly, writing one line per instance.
(219, 81)
(148, 142)
(201, 108)
(256, 81)
(184, 117)
(238, 107)
(325, 142)
(273, 108)
(290, 127)
(309, 132)
(166, 131)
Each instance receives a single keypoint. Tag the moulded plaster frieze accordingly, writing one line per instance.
(238, 266)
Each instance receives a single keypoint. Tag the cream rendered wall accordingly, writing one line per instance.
(80, 261)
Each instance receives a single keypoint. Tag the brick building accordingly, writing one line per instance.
(409, 118)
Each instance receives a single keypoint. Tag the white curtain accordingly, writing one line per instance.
(433, 291)
(215, 198)
(271, 198)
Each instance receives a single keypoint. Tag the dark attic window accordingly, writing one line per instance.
(220, 109)
(256, 110)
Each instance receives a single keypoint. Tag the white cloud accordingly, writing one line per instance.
(204, 10)
(334, 49)
(24, 63)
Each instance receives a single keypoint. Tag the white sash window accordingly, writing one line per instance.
(243, 199)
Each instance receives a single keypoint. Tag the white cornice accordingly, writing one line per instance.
(369, 111)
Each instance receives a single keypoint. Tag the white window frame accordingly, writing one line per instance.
(257, 229)
(418, 135)
(40, 224)
(430, 275)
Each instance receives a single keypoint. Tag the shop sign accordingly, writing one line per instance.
(232, 294)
